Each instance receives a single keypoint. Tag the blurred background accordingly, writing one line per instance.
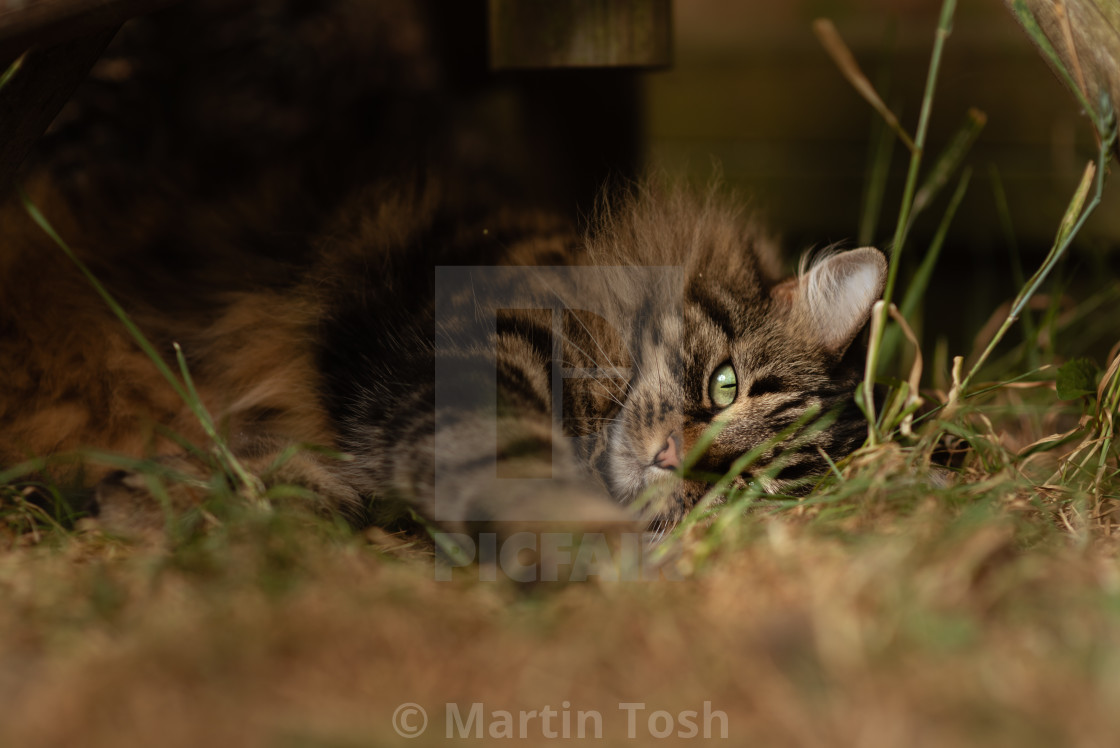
(283, 108)
(752, 90)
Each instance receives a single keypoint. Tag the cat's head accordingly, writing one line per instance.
(722, 353)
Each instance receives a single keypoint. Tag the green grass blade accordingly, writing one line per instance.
(949, 161)
(183, 388)
(846, 62)
(1076, 213)
(944, 28)
(11, 71)
(875, 188)
(118, 311)
(1003, 212)
(229, 460)
(916, 290)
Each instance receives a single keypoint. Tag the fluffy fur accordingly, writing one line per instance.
(345, 353)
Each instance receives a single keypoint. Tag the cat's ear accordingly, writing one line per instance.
(834, 297)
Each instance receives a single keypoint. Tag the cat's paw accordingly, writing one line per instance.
(123, 505)
(137, 504)
(554, 532)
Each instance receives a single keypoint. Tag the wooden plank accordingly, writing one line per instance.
(579, 33)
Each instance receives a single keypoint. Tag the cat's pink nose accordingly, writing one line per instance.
(669, 458)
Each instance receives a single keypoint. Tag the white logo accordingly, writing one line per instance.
(410, 720)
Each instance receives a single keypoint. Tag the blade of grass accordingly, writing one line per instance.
(900, 409)
(1003, 212)
(445, 543)
(939, 410)
(944, 28)
(655, 492)
(808, 419)
(232, 465)
(832, 42)
(949, 160)
(133, 330)
(879, 155)
(11, 70)
(878, 169)
(917, 287)
(947, 163)
(915, 292)
(707, 504)
(186, 391)
(1108, 404)
(1074, 218)
(1083, 325)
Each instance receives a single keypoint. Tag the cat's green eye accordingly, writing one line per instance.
(723, 386)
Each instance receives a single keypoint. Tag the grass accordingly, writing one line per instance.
(887, 608)
(970, 626)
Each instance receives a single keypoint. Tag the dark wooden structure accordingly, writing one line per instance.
(47, 48)
(579, 33)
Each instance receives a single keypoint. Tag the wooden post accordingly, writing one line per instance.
(579, 33)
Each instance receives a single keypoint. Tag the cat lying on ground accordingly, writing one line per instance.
(477, 367)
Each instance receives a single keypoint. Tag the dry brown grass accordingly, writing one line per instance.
(936, 627)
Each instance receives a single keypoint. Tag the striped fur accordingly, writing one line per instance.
(346, 353)
(645, 354)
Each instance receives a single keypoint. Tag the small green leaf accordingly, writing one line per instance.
(1077, 378)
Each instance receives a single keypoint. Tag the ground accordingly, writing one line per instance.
(906, 617)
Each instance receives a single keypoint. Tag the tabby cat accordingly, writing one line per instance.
(476, 367)
(479, 363)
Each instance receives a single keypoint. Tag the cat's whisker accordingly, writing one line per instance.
(595, 340)
(598, 365)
